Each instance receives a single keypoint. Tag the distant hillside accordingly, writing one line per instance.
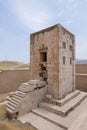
(81, 61)
(22, 66)
(5, 65)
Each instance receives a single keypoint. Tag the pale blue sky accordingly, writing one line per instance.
(19, 18)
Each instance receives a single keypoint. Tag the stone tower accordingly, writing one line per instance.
(52, 59)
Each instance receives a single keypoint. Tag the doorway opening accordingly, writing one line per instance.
(43, 56)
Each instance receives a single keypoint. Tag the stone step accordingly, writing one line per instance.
(23, 89)
(20, 92)
(8, 98)
(24, 86)
(9, 110)
(54, 118)
(30, 87)
(26, 89)
(12, 104)
(12, 101)
(17, 97)
(67, 108)
(10, 107)
(52, 108)
(38, 122)
(66, 99)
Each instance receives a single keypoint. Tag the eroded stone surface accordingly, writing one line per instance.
(52, 60)
(26, 97)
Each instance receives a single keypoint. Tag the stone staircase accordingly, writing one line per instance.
(58, 113)
(38, 122)
(66, 108)
(14, 101)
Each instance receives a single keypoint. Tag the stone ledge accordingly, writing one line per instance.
(55, 119)
(38, 122)
(67, 98)
(67, 108)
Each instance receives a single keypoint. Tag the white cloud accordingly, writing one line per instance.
(32, 17)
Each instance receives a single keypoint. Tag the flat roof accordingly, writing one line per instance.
(50, 28)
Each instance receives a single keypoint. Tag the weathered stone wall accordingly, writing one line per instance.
(81, 82)
(81, 68)
(11, 79)
(66, 71)
(48, 37)
(32, 100)
(61, 78)
(81, 76)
